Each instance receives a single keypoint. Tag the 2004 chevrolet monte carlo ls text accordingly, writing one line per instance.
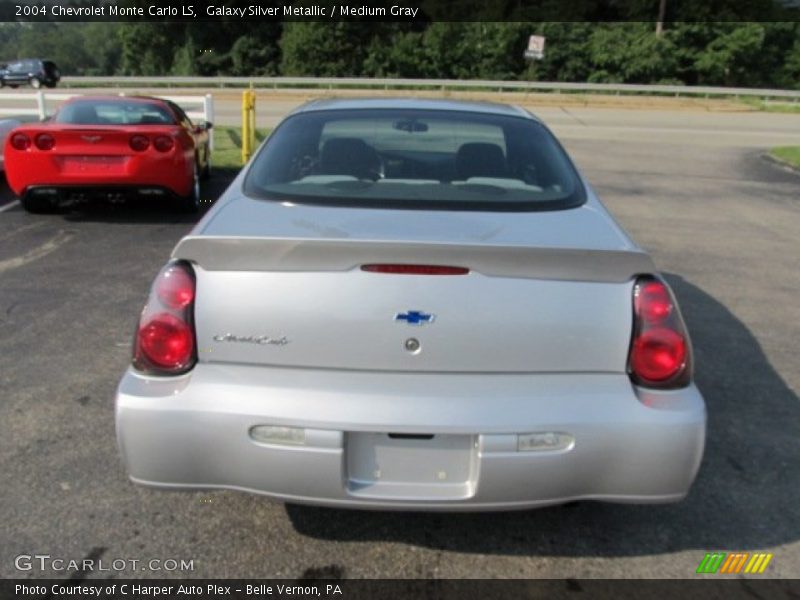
(412, 304)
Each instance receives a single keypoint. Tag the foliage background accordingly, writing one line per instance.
(751, 54)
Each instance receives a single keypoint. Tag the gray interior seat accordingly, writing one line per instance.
(349, 156)
(479, 159)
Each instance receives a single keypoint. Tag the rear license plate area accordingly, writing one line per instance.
(84, 164)
(411, 467)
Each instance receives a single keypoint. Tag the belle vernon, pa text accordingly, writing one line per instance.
(155, 591)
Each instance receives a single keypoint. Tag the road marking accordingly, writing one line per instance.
(9, 205)
(49, 246)
(17, 230)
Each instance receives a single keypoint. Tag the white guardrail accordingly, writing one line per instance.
(41, 104)
(442, 84)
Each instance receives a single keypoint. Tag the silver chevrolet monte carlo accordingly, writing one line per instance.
(412, 304)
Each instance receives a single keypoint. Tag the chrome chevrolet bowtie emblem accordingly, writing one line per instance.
(415, 317)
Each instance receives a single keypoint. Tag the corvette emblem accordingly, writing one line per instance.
(415, 317)
(92, 139)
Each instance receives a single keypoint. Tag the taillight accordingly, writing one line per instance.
(163, 143)
(20, 141)
(165, 339)
(399, 269)
(138, 142)
(660, 354)
(45, 141)
(175, 287)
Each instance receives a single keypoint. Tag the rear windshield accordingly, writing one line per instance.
(426, 159)
(113, 112)
(23, 66)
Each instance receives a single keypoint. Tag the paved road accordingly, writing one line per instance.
(691, 187)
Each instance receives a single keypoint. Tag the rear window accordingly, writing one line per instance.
(416, 159)
(114, 112)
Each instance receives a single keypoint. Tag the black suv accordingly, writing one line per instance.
(30, 71)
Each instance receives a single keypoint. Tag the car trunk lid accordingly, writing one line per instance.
(530, 301)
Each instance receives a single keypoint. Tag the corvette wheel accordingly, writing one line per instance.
(205, 174)
(191, 203)
(35, 83)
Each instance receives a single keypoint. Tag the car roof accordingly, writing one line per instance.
(413, 103)
(107, 97)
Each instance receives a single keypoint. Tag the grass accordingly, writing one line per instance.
(788, 154)
(774, 106)
(227, 153)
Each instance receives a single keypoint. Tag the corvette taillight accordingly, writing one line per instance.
(20, 141)
(139, 143)
(45, 141)
(163, 143)
(660, 354)
(165, 338)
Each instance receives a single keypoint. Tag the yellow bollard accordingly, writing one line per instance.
(248, 124)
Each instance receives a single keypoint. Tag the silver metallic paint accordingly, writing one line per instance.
(546, 352)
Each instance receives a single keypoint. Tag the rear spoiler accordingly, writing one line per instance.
(214, 253)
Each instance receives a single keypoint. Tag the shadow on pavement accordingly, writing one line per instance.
(745, 496)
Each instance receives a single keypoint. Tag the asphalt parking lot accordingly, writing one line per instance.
(721, 222)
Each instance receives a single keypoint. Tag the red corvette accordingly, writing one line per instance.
(108, 147)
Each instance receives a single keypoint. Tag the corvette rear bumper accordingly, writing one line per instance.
(41, 173)
(620, 444)
(86, 193)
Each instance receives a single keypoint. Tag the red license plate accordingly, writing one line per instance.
(81, 164)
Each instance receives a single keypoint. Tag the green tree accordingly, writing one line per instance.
(790, 71)
(494, 50)
(148, 48)
(252, 55)
(105, 52)
(567, 56)
(730, 58)
(630, 53)
(185, 58)
(325, 50)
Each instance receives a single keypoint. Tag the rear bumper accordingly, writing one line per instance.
(193, 432)
(61, 194)
(30, 170)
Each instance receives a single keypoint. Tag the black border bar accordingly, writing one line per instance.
(702, 588)
(411, 11)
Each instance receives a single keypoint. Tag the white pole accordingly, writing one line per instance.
(40, 105)
(208, 108)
